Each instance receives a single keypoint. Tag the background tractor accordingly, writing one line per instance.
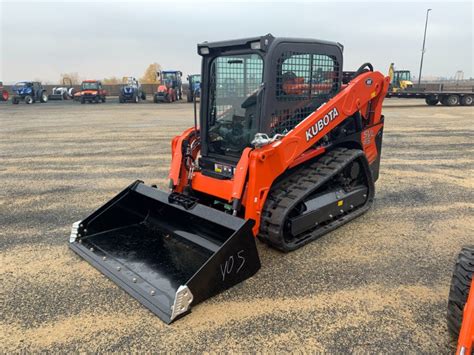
(4, 95)
(64, 92)
(91, 91)
(283, 152)
(29, 91)
(399, 79)
(131, 91)
(170, 87)
(194, 87)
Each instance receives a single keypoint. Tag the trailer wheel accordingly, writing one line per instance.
(467, 100)
(28, 99)
(431, 101)
(103, 99)
(451, 100)
(143, 95)
(459, 290)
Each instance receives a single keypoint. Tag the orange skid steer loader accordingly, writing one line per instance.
(283, 152)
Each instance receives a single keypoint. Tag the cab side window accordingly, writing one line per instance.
(305, 76)
(304, 82)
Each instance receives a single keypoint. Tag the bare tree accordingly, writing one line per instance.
(73, 76)
(112, 80)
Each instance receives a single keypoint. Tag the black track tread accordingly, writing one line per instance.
(459, 290)
(285, 194)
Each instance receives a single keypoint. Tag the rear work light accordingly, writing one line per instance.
(255, 45)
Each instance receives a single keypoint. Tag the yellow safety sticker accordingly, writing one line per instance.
(373, 95)
(340, 203)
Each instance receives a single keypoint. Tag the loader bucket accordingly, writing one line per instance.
(166, 250)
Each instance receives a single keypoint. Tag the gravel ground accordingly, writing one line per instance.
(377, 284)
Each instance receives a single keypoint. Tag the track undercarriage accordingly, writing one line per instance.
(316, 199)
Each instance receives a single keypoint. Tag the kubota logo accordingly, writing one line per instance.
(322, 123)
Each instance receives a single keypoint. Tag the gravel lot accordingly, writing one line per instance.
(378, 284)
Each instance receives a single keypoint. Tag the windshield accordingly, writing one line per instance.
(21, 85)
(234, 81)
(169, 76)
(90, 86)
(403, 75)
(195, 78)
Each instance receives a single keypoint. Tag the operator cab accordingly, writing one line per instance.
(130, 81)
(399, 76)
(194, 81)
(91, 85)
(260, 85)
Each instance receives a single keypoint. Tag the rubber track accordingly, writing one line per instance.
(460, 286)
(286, 194)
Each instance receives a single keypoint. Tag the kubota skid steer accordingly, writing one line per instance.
(283, 152)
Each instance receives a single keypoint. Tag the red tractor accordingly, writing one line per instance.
(169, 89)
(4, 95)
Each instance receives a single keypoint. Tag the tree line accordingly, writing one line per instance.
(148, 77)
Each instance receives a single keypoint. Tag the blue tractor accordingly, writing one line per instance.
(194, 87)
(131, 91)
(29, 91)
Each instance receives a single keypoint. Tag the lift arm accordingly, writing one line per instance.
(363, 94)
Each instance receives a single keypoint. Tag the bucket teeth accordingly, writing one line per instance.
(182, 301)
(74, 231)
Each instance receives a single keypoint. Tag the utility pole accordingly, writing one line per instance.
(423, 50)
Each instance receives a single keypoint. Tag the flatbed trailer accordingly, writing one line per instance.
(448, 94)
(446, 98)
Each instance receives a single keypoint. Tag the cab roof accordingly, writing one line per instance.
(266, 41)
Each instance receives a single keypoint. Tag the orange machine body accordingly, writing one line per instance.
(258, 168)
(466, 334)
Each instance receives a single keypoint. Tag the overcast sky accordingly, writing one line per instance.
(40, 40)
